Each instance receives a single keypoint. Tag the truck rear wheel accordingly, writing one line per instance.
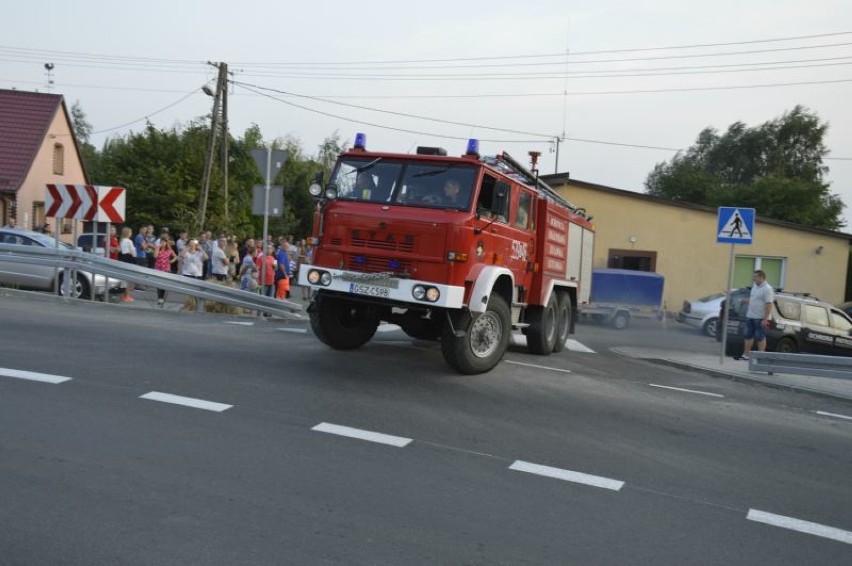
(563, 321)
(342, 324)
(484, 343)
(541, 333)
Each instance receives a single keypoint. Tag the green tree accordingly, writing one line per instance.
(776, 167)
(83, 132)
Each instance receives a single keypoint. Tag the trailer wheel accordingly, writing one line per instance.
(541, 333)
(484, 343)
(563, 321)
(621, 320)
(341, 324)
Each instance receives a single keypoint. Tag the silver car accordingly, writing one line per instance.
(40, 277)
(702, 313)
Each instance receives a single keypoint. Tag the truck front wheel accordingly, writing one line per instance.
(482, 346)
(541, 332)
(342, 324)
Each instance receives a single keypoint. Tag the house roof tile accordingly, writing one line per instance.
(24, 120)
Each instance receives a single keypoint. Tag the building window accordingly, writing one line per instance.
(774, 267)
(58, 159)
(633, 260)
(38, 216)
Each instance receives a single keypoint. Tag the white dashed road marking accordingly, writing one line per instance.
(33, 376)
(360, 434)
(186, 401)
(567, 475)
(537, 366)
(806, 527)
(294, 330)
(687, 390)
(239, 323)
(835, 415)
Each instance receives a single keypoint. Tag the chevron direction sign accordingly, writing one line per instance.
(85, 202)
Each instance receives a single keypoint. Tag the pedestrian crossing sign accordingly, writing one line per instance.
(736, 225)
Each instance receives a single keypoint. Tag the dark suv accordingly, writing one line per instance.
(799, 323)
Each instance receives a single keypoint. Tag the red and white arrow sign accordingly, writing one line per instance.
(85, 202)
(111, 203)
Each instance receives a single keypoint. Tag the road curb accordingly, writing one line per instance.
(764, 381)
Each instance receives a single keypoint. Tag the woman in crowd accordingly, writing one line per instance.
(163, 261)
(127, 254)
(248, 270)
(193, 258)
(232, 250)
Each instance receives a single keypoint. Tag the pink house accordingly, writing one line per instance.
(37, 147)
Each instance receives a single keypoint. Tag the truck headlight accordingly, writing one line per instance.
(418, 292)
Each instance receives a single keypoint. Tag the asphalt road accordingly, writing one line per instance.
(712, 472)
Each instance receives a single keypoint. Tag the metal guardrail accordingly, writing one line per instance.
(201, 290)
(801, 364)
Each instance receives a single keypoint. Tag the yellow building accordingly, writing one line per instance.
(678, 240)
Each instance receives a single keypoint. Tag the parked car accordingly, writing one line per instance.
(702, 313)
(40, 277)
(798, 323)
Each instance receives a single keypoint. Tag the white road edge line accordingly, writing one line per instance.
(360, 434)
(537, 366)
(294, 330)
(567, 475)
(806, 527)
(239, 322)
(186, 401)
(33, 376)
(687, 390)
(835, 415)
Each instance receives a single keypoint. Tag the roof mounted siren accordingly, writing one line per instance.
(534, 155)
(360, 142)
(472, 148)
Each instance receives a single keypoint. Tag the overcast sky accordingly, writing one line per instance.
(329, 49)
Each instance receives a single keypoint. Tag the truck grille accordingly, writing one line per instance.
(386, 242)
(377, 264)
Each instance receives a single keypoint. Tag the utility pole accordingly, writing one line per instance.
(558, 141)
(225, 141)
(221, 84)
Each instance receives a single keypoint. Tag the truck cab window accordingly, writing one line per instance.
(522, 215)
(367, 181)
(493, 201)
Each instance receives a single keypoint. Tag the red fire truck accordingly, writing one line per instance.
(457, 249)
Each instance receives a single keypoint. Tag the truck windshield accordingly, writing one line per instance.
(431, 185)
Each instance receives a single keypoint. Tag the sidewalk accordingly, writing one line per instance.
(738, 370)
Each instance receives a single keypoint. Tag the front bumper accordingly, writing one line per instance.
(389, 288)
(692, 320)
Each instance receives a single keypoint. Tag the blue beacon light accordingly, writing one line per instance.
(473, 146)
(360, 141)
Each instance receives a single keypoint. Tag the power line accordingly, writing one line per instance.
(150, 114)
(540, 55)
(401, 114)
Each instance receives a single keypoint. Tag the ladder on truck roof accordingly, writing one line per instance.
(543, 188)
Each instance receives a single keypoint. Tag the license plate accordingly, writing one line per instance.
(371, 290)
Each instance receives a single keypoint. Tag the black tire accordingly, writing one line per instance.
(81, 290)
(621, 321)
(787, 346)
(342, 324)
(709, 327)
(485, 341)
(421, 328)
(563, 321)
(541, 332)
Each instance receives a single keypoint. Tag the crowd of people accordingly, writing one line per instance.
(270, 268)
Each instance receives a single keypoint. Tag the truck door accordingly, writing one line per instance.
(492, 211)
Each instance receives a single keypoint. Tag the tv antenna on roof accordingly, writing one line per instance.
(48, 71)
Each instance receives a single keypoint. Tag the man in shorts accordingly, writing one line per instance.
(759, 310)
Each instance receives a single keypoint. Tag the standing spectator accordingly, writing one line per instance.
(759, 312)
(127, 254)
(248, 270)
(266, 265)
(193, 259)
(309, 258)
(282, 274)
(114, 246)
(164, 259)
(233, 252)
(150, 251)
(219, 261)
(207, 248)
(141, 244)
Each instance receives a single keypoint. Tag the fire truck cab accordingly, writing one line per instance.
(457, 249)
